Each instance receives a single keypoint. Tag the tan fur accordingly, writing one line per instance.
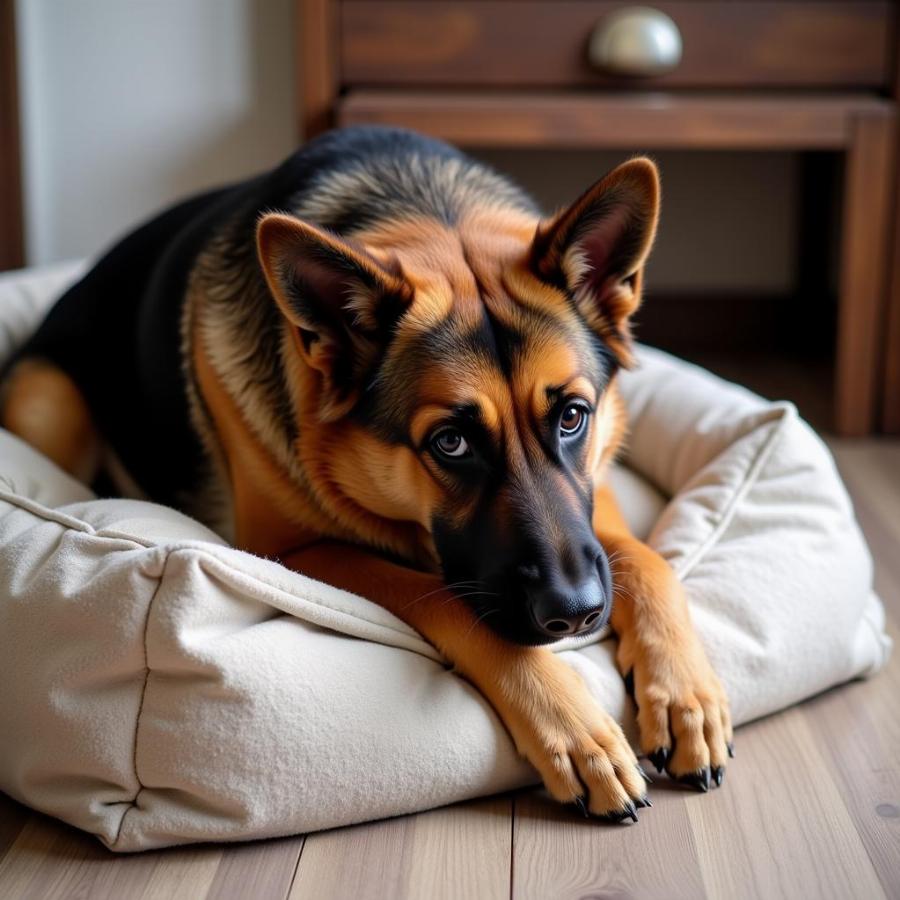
(44, 407)
(271, 513)
(543, 703)
(275, 512)
(332, 501)
(680, 700)
(554, 721)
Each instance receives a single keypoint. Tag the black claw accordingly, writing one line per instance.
(627, 812)
(718, 774)
(629, 683)
(643, 774)
(730, 746)
(659, 758)
(698, 779)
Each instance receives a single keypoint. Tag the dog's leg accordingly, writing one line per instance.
(579, 750)
(43, 406)
(683, 715)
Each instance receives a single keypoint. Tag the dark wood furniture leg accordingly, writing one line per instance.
(890, 405)
(12, 244)
(868, 190)
(317, 66)
(890, 418)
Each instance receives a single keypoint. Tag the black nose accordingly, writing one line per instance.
(561, 612)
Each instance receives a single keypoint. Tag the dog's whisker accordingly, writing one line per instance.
(443, 587)
(622, 591)
(477, 594)
(479, 620)
(619, 556)
(615, 572)
(450, 597)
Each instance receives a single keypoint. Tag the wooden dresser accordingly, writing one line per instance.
(694, 74)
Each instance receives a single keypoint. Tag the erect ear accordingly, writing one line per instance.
(343, 303)
(595, 250)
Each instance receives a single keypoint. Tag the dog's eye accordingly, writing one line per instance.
(450, 443)
(572, 420)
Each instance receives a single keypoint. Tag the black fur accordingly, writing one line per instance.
(116, 332)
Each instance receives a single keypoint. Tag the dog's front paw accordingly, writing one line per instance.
(682, 709)
(578, 749)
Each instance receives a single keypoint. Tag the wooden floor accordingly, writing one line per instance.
(810, 809)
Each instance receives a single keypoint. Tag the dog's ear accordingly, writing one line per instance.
(343, 303)
(595, 249)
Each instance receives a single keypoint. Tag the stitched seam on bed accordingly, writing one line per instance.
(271, 585)
(48, 515)
(747, 482)
(682, 570)
(137, 721)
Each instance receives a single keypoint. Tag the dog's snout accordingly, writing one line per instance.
(569, 612)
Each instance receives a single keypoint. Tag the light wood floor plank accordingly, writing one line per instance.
(871, 470)
(262, 870)
(452, 853)
(858, 726)
(846, 725)
(50, 861)
(557, 853)
(179, 874)
(13, 817)
(811, 807)
(780, 828)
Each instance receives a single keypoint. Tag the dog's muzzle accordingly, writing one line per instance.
(560, 608)
(561, 613)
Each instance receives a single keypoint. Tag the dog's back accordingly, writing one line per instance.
(378, 353)
(119, 333)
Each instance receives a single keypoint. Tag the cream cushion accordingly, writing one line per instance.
(159, 687)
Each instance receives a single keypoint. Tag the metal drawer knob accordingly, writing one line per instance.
(635, 40)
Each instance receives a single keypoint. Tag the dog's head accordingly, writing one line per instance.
(463, 380)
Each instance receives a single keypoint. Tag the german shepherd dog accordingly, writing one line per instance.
(379, 364)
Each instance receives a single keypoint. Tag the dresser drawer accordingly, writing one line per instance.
(544, 43)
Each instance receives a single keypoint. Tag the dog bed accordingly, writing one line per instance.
(159, 687)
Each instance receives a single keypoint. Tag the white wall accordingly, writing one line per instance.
(130, 104)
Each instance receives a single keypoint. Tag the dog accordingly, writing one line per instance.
(381, 365)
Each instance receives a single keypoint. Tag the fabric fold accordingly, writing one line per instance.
(159, 687)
